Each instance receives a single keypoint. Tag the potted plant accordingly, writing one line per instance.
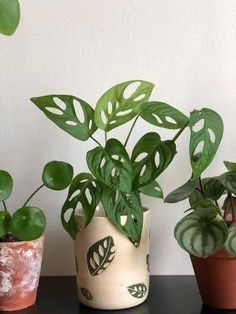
(103, 211)
(22, 240)
(208, 230)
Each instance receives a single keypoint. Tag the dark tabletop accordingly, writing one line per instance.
(168, 295)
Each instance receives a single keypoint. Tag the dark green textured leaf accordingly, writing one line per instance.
(150, 157)
(213, 188)
(6, 185)
(86, 190)
(204, 139)
(28, 223)
(137, 291)
(61, 109)
(111, 165)
(100, 255)
(231, 166)
(9, 16)
(163, 115)
(182, 192)
(115, 108)
(230, 245)
(202, 232)
(5, 222)
(57, 175)
(228, 180)
(152, 189)
(86, 294)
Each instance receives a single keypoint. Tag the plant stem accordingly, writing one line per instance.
(201, 187)
(179, 133)
(105, 137)
(4, 205)
(130, 131)
(41, 186)
(94, 139)
(232, 206)
(226, 208)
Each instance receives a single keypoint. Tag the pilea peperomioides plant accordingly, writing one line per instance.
(29, 222)
(117, 178)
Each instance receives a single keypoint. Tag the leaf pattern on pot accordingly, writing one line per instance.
(138, 291)
(147, 262)
(100, 255)
(86, 294)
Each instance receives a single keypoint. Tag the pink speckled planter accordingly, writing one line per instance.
(20, 266)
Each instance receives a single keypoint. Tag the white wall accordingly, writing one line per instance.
(186, 47)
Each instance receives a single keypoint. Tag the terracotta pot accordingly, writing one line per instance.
(112, 272)
(20, 265)
(216, 279)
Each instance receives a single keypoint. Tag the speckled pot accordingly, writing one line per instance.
(20, 265)
(112, 273)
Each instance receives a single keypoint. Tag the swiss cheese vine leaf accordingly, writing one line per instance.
(152, 189)
(115, 108)
(206, 128)
(163, 115)
(61, 109)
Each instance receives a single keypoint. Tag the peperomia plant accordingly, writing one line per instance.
(29, 222)
(117, 178)
(9, 16)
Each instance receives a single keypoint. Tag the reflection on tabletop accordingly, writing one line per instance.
(29, 310)
(140, 309)
(208, 310)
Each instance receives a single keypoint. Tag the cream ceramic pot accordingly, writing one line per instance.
(111, 272)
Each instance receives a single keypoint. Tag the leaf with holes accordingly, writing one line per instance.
(230, 245)
(125, 212)
(86, 190)
(206, 128)
(100, 255)
(163, 115)
(61, 109)
(231, 166)
(202, 232)
(9, 16)
(116, 107)
(228, 180)
(111, 165)
(152, 189)
(138, 291)
(150, 157)
(88, 296)
(182, 192)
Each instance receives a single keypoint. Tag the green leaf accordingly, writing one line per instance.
(125, 212)
(228, 180)
(100, 255)
(114, 108)
(86, 190)
(182, 192)
(5, 223)
(206, 133)
(88, 296)
(163, 115)
(61, 109)
(111, 165)
(230, 245)
(57, 175)
(231, 166)
(28, 223)
(6, 185)
(138, 291)
(202, 232)
(213, 188)
(9, 16)
(152, 189)
(150, 157)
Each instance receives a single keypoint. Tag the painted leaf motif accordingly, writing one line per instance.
(150, 157)
(111, 165)
(206, 128)
(152, 189)
(100, 255)
(228, 180)
(86, 294)
(61, 109)
(202, 232)
(182, 192)
(137, 291)
(163, 115)
(115, 107)
(230, 245)
(147, 261)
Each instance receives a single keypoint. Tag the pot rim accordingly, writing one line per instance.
(78, 213)
(221, 254)
(41, 238)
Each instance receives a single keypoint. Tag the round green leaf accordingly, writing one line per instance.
(202, 232)
(28, 223)
(230, 245)
(6, 185)
(9, 16)
(57, 175)
(5, 222)
(228, 180)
